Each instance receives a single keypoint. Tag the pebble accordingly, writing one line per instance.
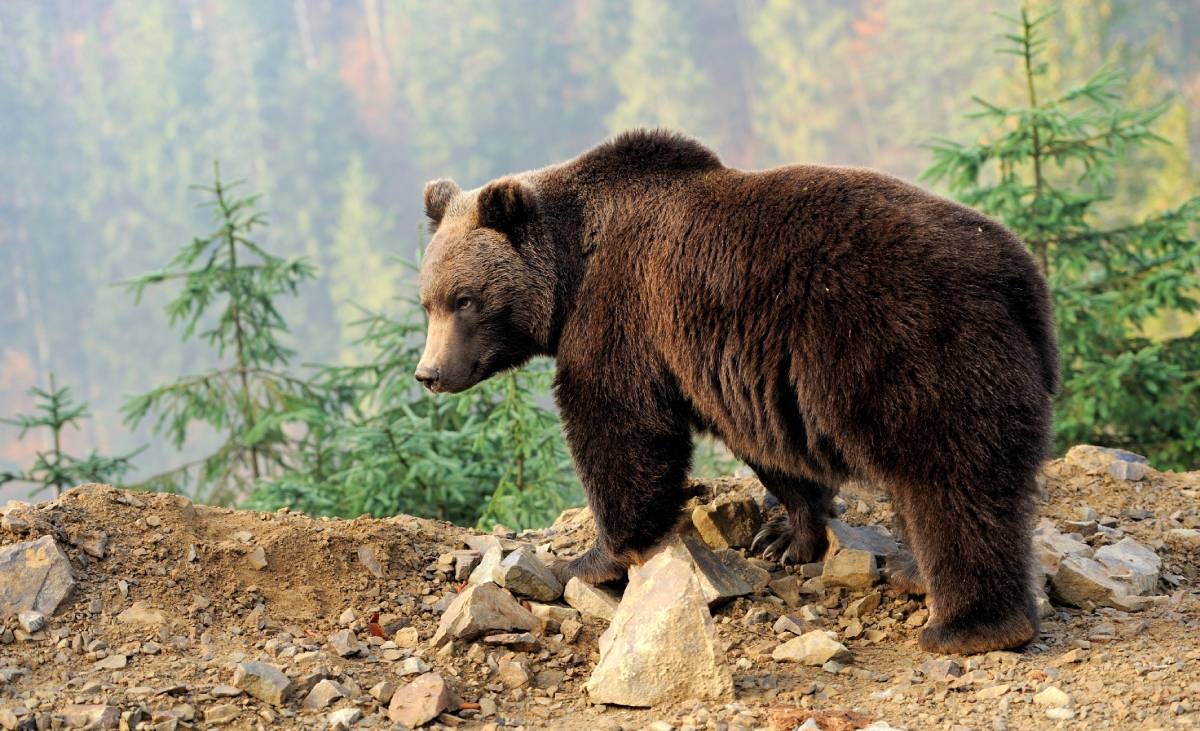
(420, 701)
(1053, 697)
(31, 621)
(813, 648)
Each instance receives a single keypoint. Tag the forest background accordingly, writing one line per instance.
(338, 111)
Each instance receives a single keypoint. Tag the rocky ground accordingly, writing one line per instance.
(140, 610)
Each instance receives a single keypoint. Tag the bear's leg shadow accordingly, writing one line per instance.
(971, 542)
(799, 536)
(632, 453)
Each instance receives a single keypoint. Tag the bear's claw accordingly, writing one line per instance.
(779, 539)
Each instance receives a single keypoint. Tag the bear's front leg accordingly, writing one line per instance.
(631, 446)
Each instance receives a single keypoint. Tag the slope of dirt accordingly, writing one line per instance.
(217, 605)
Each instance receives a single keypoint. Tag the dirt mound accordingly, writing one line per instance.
(170, 597)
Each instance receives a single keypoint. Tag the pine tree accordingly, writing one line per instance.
(1047, 170)
(229, 287)
(55, 468)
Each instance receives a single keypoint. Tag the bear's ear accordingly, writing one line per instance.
(506, 205)
(437, 195)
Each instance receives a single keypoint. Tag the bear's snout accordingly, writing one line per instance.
(428, 376)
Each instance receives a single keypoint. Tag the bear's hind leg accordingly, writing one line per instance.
(973, 550)
(799, 536)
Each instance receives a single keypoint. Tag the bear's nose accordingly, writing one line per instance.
(427, 376)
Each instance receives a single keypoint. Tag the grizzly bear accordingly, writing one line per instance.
(826, 323)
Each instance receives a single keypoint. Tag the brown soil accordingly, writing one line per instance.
(1131, 670)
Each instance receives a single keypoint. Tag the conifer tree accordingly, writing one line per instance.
(54, 468)
(1047, 170)
(228, 287)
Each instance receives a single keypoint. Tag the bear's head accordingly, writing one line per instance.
(485, 284)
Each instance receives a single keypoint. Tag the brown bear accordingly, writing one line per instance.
(827, 323)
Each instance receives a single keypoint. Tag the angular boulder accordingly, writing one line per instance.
(34, 576)
(1080, 580)
(481, 609)
(661, 644)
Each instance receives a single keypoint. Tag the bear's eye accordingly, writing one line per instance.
(463, 302)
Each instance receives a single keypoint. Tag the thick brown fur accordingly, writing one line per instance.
(826, 323)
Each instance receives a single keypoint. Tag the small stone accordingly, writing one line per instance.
(788, 623)
(419, 702)
(872, 539)
(519, 641)
(485, 571)
(993, 691)
(591, 601)
(917, 618)
(522, 573)
(943, 669)
(570, 629)
(344, 718)
(92, 542)
(366, 557)
(661, 644)
(551, 616)
(1053, 697)
(347, 617)
(34, 576)
(263, 681)
(813, 648)
(464, 563)
(224, 691)
(142, 614)
(412, 666)
(31, 621)
(1184, 538)
(383, 691)
(323, 694)
(787, 589)
(258, 558)
(1131, 562)
(727, 522)
(1060, 714)
(1131, 471)
(513, 674)
(852, 568)
(756, 615)
(192, 554)
(112, 662)
(91, 715)
(223, 713)
(863, 606)
(345, 643)
(480, 609)
(407, 637)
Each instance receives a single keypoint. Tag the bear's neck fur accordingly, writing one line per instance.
(574, 199)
